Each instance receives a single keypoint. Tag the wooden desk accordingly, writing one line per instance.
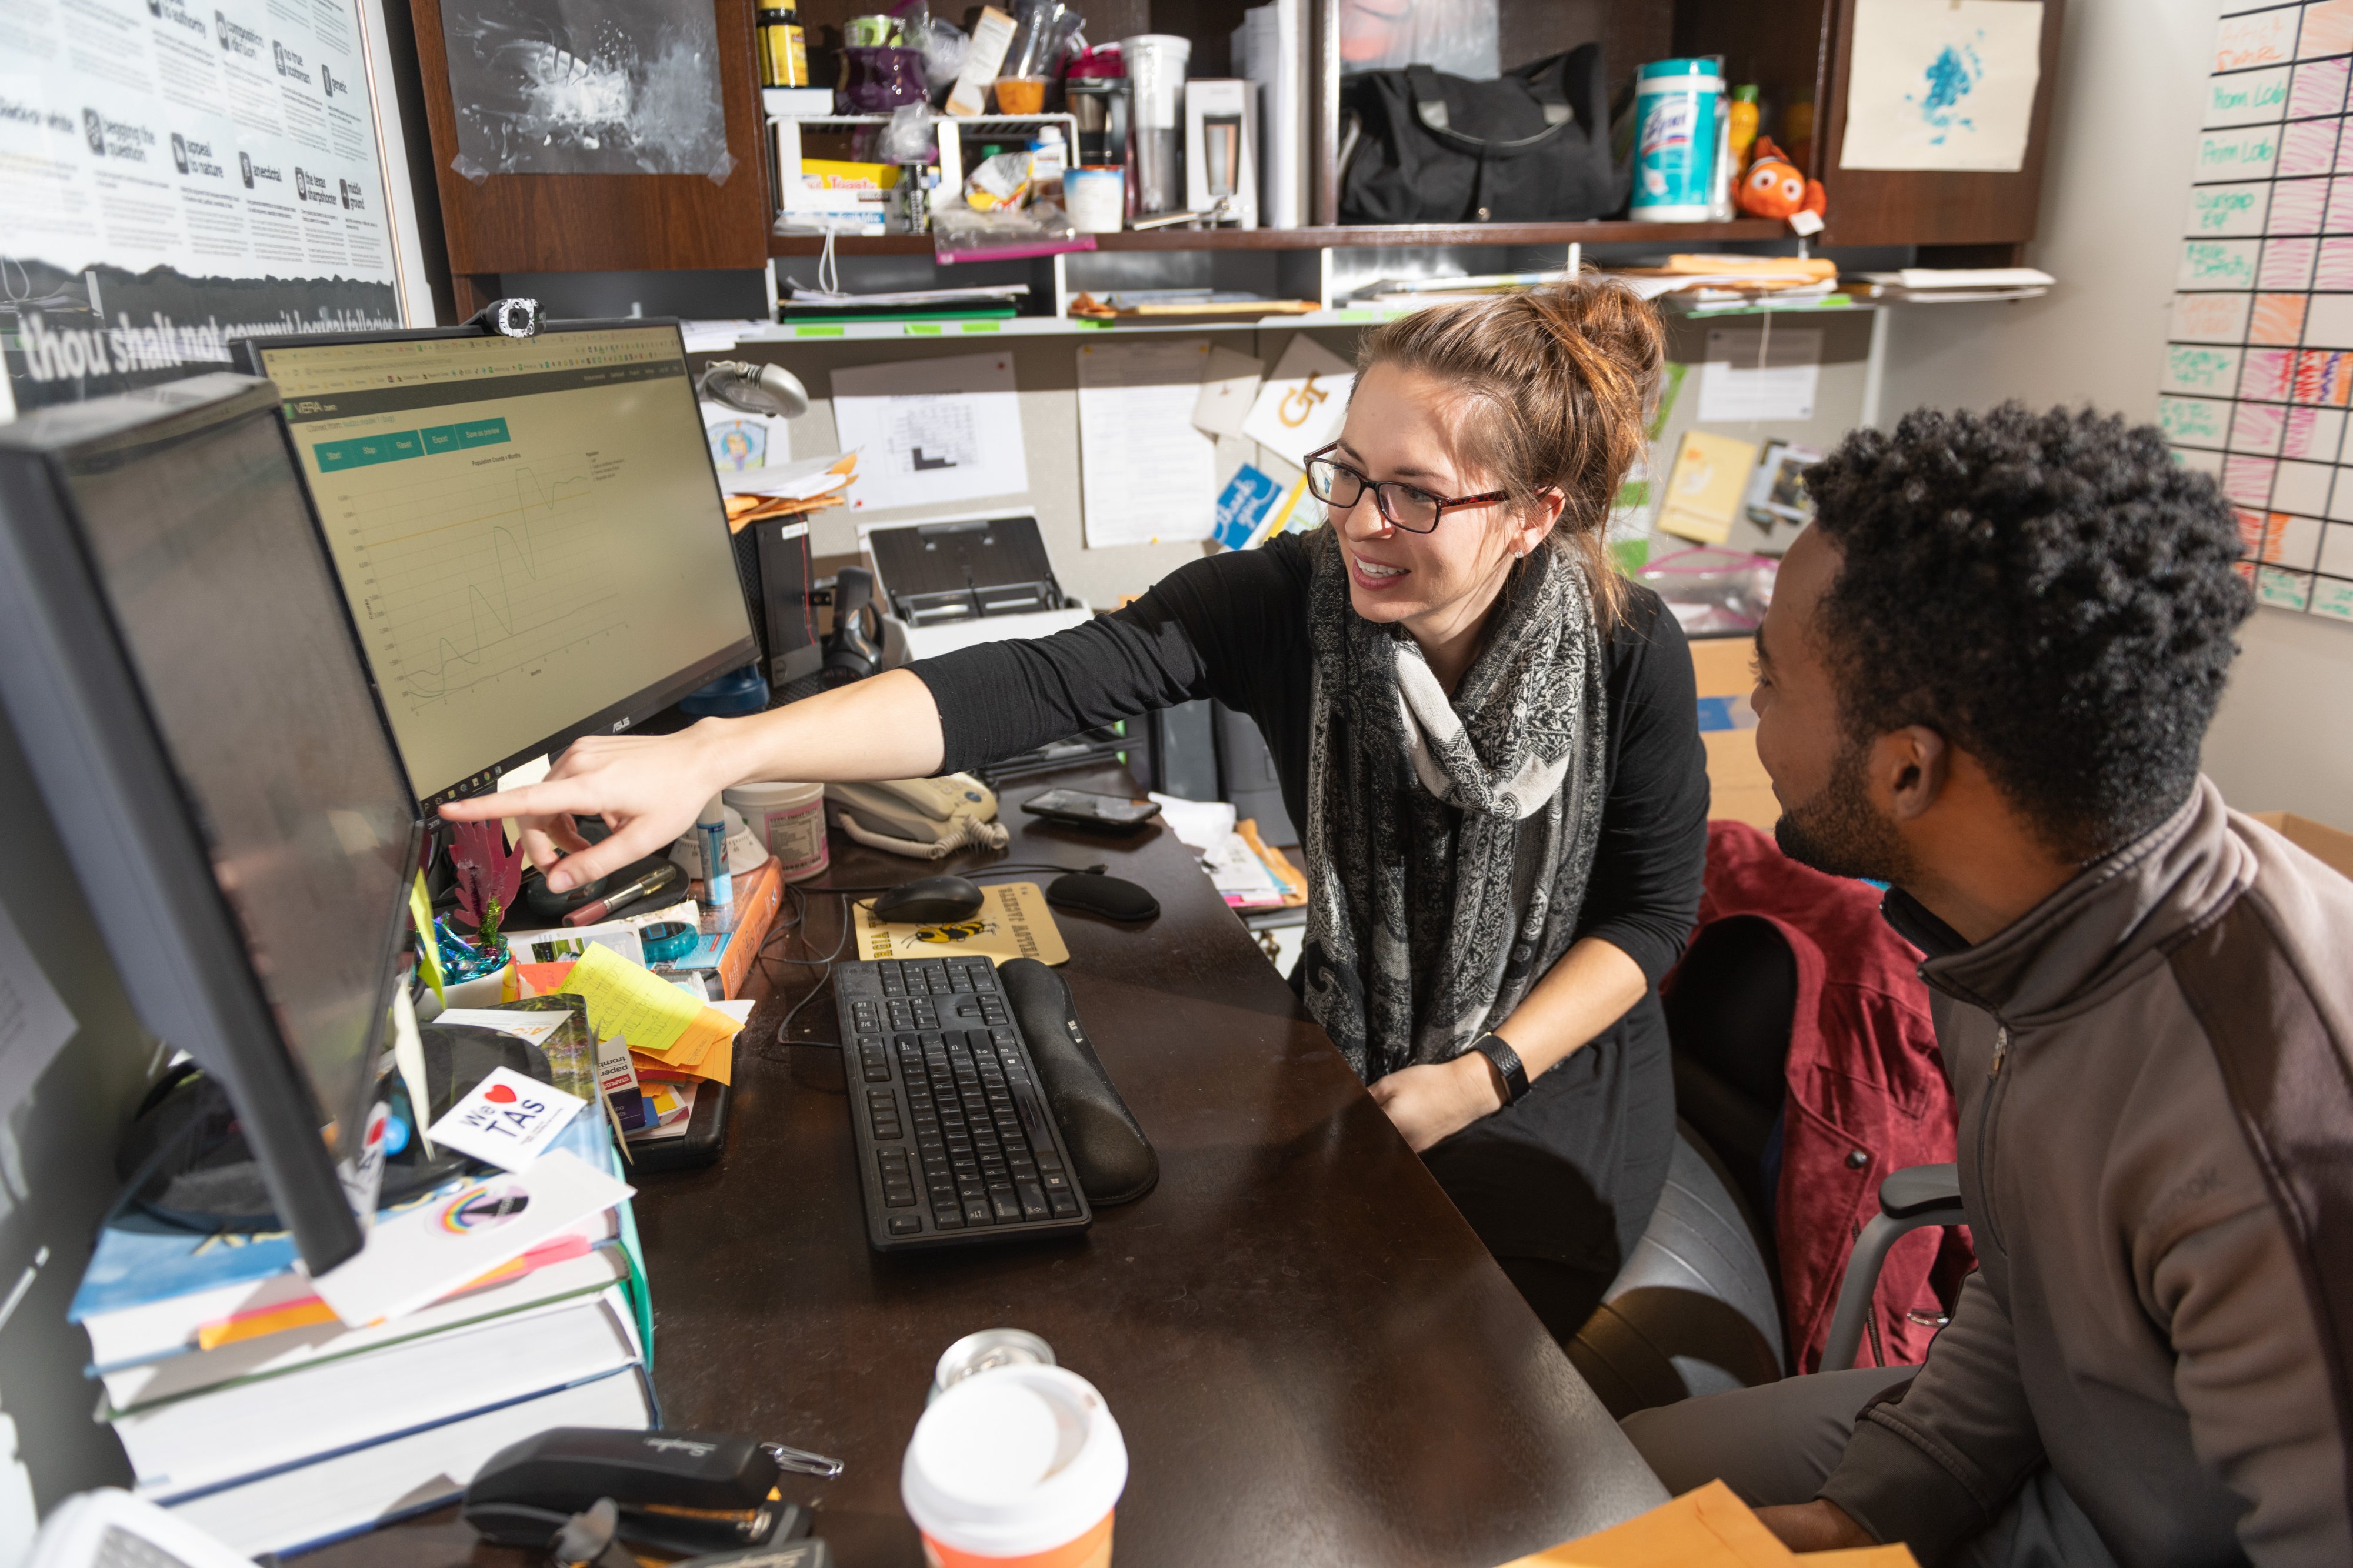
(1312, 1359)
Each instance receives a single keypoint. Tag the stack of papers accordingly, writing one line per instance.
(1439, 290)
(1184, 304)
(790, 490)
(278, 1411)
(1247, 875)
(1955, 285)
(798, 297)
(1739, 275)
(670, 1034)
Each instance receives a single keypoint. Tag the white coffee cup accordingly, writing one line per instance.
(1096, 199)
(1015, 1468)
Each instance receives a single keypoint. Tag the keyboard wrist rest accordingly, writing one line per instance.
(1114, 1159)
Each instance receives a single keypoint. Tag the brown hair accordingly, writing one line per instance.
(1569, 376)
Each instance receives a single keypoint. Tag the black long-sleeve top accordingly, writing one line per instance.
(1234, 627)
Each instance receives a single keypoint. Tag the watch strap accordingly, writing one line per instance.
(1514, 1073)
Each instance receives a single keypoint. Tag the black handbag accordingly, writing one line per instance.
(1531, 146)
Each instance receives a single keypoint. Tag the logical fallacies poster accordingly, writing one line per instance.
(175, 174)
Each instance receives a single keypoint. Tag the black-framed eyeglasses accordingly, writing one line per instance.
(1404, 506)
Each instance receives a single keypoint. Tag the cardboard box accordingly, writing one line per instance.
(1728, 727)
(2333, 846)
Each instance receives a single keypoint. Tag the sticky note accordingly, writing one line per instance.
(625, 999)
(428, 945)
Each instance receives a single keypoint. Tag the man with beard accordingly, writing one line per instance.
(1984, 680)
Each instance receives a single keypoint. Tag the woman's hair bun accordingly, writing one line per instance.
(1562, 381)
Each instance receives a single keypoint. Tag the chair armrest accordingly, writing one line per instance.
(1916, 1189)
(1914, 1196)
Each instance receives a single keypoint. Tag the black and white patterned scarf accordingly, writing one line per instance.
(1448, 841)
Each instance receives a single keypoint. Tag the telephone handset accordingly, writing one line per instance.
(925, 819)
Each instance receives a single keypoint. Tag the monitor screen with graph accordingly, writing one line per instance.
(529, 531)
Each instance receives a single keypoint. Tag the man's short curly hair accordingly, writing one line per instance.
(2051, 592)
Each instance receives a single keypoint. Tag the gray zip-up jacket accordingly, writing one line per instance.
(2155, 1074)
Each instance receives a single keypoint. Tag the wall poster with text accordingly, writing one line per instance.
(175, 174)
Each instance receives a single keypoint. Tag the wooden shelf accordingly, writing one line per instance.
(1338, 235)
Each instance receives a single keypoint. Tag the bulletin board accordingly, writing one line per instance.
(2259, 357)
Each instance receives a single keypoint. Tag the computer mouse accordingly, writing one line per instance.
(1114, 898)
(929, 901)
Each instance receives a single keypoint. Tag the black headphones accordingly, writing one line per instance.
(852, 650)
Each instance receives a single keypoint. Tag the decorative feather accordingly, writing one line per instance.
(489, 874)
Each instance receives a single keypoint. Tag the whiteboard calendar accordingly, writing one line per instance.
(2259, 355)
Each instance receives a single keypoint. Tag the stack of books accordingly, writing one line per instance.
(247, 1405)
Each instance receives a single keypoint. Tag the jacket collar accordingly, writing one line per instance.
(2117, 910)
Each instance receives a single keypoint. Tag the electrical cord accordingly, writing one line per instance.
(798, 925)
(1002, 865)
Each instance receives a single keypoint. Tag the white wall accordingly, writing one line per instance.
(2131, 76)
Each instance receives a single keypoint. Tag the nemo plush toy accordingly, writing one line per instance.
(1773, 187)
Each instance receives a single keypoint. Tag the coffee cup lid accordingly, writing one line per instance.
(1015, 1461)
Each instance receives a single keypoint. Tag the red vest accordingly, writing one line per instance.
(1864, 1075)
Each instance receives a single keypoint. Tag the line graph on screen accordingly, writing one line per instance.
(467, 578)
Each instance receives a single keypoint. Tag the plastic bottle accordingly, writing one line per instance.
(1744, 113)
(783, 54)
(1679, 130)
(711, 830)
(1797, 137)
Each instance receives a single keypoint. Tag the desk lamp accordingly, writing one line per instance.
(768, 389)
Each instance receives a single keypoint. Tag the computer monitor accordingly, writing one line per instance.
(180, 671)
(529, 531)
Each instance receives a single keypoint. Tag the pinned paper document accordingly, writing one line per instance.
(1243, 506)
(1229, 388)
(1705, 492)
(1301, 405)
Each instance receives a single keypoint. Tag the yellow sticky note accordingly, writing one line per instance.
(428, 946)
(627, 999)
(1705, 491)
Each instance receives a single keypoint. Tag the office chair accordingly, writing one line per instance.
(1696, 1309)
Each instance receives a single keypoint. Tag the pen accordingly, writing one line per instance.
(660, 877)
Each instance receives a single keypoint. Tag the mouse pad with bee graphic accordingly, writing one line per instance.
(1013, 922)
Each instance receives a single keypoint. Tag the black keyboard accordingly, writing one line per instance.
(955, 1145)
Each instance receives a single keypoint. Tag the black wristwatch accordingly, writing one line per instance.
(1497, 1049)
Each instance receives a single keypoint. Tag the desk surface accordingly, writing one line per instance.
(1313, 1358)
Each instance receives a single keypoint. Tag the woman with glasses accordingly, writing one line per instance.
(1489, 736)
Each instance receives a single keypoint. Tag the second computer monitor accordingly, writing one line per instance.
(529, 531)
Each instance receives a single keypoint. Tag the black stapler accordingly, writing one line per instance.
(690, 1493)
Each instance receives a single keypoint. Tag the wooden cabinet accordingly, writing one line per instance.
(1988, 216)
(600, 223)
(1796, 50)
